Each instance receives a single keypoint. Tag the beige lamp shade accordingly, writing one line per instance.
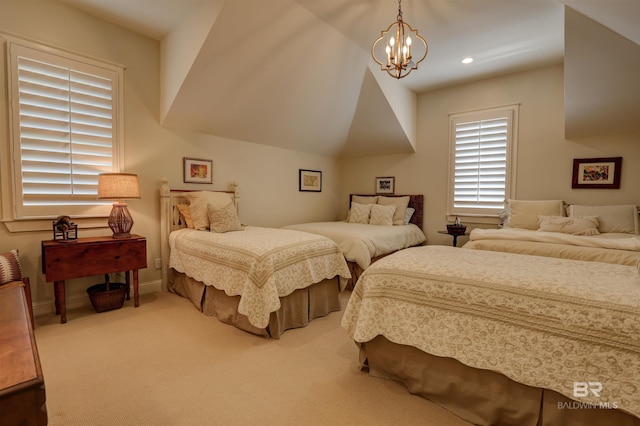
(118, 186)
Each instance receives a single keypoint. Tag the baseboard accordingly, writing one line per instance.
(80, 301)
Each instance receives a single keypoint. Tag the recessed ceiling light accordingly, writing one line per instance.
(467, 60)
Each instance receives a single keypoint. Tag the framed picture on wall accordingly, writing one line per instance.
(198, 171)
(310, 180)
(603, 173)
(385, 185)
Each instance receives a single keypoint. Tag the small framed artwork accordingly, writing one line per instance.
(310, 180)
(198, 170)
(385, 185)
(603, 173)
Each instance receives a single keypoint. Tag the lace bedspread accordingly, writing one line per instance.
(258, 264)
(544, 322)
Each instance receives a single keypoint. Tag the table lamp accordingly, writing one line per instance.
(119, 186)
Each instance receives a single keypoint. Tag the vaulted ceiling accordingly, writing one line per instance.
(298, 74)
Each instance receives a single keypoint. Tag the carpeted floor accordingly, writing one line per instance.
(165, 363)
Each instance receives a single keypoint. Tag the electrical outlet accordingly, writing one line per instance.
(158, 263)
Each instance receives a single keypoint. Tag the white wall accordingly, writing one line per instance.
(544, 161)
(268, 177)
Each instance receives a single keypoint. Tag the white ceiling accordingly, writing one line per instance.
(300, 74)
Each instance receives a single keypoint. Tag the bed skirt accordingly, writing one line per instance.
(481, 397)
(296, 310)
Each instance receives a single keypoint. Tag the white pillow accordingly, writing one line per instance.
(408, 215)
(401, 204)
(223, 219)
(359, 213)
(198, 201)
(382, 215)
(621, 218)
(578, 225)
(524, 213)
(364, 199)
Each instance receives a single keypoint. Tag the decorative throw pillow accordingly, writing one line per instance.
(621, 218)
(382, 215)
(524, 213)
(408, 215)
(186, 214)
(401, 204)
(10, 269)
(223, 219)
(577, 225)
(199, 214)
(198, 201)
(359, 213)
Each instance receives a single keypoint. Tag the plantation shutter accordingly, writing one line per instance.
(65, 131)
(480, 162)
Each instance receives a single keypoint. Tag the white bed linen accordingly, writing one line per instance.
(541, 321)
(361, 242)
(258, 264)
(618, 241)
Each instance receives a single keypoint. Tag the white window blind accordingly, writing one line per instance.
(65, 131)
(481, 149)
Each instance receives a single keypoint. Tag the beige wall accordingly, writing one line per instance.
(544, 160)
(268, 177)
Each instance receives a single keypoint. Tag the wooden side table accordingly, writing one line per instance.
(84, 257)
(455, 236)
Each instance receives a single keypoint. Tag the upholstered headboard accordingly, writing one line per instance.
(416, 201)
(171, 219)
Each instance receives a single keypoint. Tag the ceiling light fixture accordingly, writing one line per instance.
(395, 55)
(467, 60)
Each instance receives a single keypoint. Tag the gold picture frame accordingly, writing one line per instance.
(197, 170)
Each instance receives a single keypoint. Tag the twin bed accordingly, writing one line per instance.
(513, 338)
(261, 280)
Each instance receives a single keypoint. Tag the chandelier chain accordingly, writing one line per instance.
(399, 17)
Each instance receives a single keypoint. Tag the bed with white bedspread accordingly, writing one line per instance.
(261, 280)
(503, 338)
(380, 225)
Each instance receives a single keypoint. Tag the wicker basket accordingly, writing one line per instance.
(107, 296)
(456, 229)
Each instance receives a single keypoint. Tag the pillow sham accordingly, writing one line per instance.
(408, 215)
(223, 219)
(359, 213)
(577, 225)
(364, 199)
(186, 214)
(524, 213)
(382, 215)
(10, 269)
(401, 204)
(198, 202)
(616, 218)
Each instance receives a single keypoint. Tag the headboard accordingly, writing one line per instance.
(171, 219)
(416, 201)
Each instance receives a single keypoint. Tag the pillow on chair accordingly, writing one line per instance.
(10, 269)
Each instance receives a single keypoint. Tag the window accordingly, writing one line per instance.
(66, 126)
(482, 168)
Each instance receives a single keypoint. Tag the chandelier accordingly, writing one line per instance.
(394, 50)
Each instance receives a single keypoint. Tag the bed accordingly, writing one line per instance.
(261, 280)
(504, 338)
(540, 227)
(375, 227)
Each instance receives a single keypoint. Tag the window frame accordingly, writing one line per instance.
(511, 113)
(14, 214)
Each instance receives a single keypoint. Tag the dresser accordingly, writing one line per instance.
(22, 393)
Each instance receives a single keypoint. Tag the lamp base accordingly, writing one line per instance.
(120, 220)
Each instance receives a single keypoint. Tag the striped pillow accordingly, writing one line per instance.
(359, 213)
(10, 267)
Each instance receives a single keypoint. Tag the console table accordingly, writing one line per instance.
(84, 257)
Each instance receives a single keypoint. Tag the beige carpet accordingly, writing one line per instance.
(165, 363)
